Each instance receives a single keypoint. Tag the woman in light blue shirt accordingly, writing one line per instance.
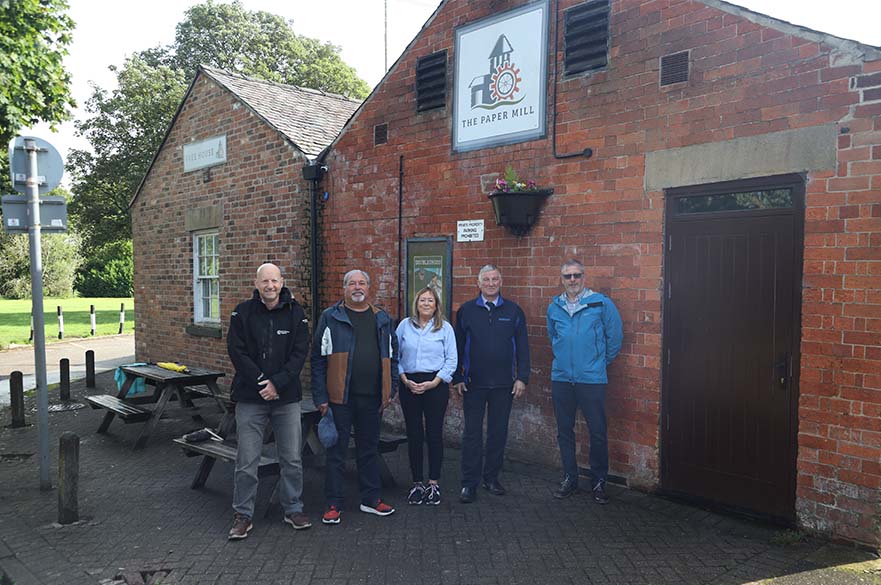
(427, 358)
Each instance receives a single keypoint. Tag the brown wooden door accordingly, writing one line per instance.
(732, 265)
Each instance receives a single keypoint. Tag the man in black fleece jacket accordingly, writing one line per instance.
(493, 370)
(268, 340)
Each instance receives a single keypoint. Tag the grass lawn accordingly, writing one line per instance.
(15, 318)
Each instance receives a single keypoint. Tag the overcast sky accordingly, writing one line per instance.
(107, 31)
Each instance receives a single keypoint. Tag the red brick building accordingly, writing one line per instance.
(718, 172)
(225, 193)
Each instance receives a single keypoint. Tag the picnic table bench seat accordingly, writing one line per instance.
(129, 413)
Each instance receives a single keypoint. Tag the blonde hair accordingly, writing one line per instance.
(437, 319)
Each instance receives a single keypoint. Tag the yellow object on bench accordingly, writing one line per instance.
(174, 367)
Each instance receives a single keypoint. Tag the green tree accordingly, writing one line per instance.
(34, 86)
(127, 125)
(60, 259)
(107, 272)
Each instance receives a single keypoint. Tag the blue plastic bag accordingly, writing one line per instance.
(137, 388)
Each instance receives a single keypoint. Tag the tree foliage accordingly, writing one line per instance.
(60, 256)
(107, 272)
(127, 125)
(34, 86)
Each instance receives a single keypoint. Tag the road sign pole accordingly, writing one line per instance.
(33, 187)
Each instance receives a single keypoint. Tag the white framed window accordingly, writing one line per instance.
(206, 281)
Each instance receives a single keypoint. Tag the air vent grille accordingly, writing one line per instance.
(380, 134)
(431, 81)
(674, 68)
(586, 37)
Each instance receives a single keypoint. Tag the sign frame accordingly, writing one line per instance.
(488, 110)
(432, 255)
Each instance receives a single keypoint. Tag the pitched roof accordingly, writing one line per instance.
(309, 118)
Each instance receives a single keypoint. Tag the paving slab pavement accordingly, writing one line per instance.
(110, 351)
(141, 523)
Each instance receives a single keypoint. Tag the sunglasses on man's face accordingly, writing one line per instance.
(573, 276)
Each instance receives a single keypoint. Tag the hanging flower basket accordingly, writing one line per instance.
(517, 203)
(518, 210)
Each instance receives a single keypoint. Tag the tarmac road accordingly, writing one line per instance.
(110, 352)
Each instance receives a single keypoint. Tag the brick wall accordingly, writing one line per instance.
(265, 218)
(747, 79)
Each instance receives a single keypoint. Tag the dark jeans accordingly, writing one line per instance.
(591, 399)
(477, 462)
(424, 416)
(363, 413)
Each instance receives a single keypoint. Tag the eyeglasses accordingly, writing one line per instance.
(573, 276)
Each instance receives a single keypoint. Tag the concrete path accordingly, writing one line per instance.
(110, 352)
(140, 523)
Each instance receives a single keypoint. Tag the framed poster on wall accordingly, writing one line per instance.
(429, 264)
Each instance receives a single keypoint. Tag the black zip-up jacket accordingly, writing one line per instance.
(493, 345)
(268, 344)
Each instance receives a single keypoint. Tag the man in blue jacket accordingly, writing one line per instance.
(268, 339)
(493, 370)
(585, 332)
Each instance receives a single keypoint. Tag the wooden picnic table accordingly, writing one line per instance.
(185, 386)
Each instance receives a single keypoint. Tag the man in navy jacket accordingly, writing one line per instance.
(493, 370)
(585, 332)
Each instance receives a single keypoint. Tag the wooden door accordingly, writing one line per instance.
(731, 328)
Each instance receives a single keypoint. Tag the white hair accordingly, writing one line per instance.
(351, 272)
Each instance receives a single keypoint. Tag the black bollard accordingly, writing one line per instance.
(121, 317)
(16, 398)
(60, 323)
(92, 318)
(90, 369)
(68, 478)
(64, 388)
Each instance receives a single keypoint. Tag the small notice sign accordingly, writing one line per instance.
(205, 153)
(469, 230)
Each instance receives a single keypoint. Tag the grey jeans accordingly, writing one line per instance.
(251, 421)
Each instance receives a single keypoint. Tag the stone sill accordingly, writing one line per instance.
(205, 330)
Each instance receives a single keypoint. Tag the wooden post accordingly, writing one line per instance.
(68, 478)
(64, 388)
(90, 369)
(92, 317)
(121, 317)
(60, 323)
(16, 398)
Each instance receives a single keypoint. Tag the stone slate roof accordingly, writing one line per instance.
(309, 118)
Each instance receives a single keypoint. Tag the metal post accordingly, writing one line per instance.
(64, 388)
(16, 399)
(90, 369)
(60, 323)
(31, 336)
(121, 317)
(33, 187)
(68, 478)
(92, 317)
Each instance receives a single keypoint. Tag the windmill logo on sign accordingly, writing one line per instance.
(501, 85)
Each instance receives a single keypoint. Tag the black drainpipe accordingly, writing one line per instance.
(401, 268)
(587, 152)
(313, 173)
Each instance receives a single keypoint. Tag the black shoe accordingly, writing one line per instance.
(494, 487)
(468, 495)
(599, 493)
(568, 486)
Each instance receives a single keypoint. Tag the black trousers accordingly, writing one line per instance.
(424, 417)
(479, 463)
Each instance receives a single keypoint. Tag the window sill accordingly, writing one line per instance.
(205, 330)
